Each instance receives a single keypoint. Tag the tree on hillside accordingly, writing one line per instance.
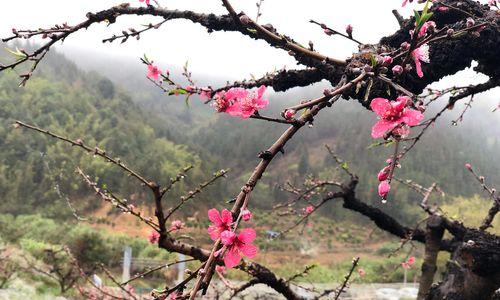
(390, 78)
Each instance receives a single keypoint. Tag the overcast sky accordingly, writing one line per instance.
(222, 54)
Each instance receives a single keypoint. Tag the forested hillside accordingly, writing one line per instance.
(36, 173)
(134, 121)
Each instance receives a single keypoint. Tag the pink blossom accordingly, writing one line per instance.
(383, 189)
(246, 215)
(221, 102)
(407, 264)
(361, 272)
(147, 1)
(404, 3)
(245, 103)
(328, 31)
(392, 114)
(384, 173)
(492, 2)
(443, 8)
(177, 225)
(420, 54)
(220, 222)
(427, 26)
(468, 167)
(154, 237)
(309, 209)
(153, 71)
(220, 269)
(238, 245)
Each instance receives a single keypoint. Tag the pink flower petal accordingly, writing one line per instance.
(412, 117)
(383, 126)
(380, 106)
(249, 250)
(228, 237)
(261, 91)
(214, 216)
(226, 216)
(232, 258)
(247, 236)
(214, 232)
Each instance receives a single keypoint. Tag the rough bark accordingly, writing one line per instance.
(433, 237)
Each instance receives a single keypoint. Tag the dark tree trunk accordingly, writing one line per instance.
(473, 271)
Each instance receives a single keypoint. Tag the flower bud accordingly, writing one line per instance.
(383, 189)
(289, 114)
(328, 31)
(387, 60)
(246, 215)
(397, 70)
(348, 30)
(470, 22)
(244, 19)
(384, 173)
(450, 32)
(468, 166)
(405, 46)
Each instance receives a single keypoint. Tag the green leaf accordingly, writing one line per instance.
(17, 54)
(177, 92)
(426, 17)
(345, 166)
(417, 18)
(373, 61)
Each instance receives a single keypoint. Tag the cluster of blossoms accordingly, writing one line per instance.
(395, 119)
(408, 263)
(235, 245)
(239, 102)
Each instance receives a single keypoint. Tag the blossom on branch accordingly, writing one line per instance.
(407, 264)
(308, 209)
(421, 54)
(393, 114)
(177, 225)
(238, 246)
(154, 237)
(147, 1)
(383, 189)
(220, 222)
(154, 72)
(239, 102)
(246, 103)
(246, 215)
